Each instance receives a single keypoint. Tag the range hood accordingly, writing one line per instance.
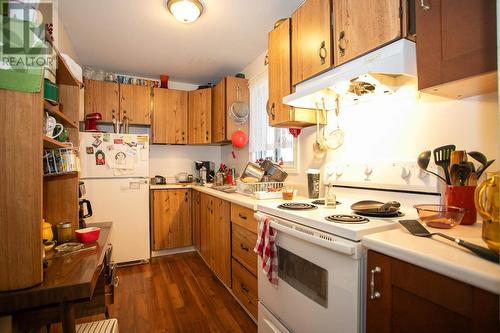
(377, 73)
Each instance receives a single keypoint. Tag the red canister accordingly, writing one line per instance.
(462, 196)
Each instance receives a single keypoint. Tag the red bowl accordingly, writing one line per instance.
(88, 235)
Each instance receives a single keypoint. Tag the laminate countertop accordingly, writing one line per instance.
(440, 255)
(236, 198)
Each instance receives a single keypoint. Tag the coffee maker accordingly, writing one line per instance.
(204, 171)
(83, 203)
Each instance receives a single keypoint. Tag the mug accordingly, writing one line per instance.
(63, 137)
(50, 126)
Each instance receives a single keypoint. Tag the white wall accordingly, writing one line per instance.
(397, 128)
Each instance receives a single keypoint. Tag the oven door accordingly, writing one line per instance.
(319, 285)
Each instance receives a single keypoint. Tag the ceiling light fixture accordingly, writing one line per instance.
(185, 11)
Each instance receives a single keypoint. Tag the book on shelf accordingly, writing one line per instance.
(60, 161)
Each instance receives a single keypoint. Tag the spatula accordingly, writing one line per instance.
(417, 229)
(442, 157)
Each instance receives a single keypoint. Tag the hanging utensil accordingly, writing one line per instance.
(442, 157)
(318, 147)
(423, 162)
(335, 138)
(417, 229)
(239, 110)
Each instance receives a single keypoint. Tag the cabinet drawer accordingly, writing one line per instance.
(243, 242)
(245, 287)
(244, 217)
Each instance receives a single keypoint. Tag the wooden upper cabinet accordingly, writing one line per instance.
(219, 112)
(311, 40)
(171, 213)
(170, 116)
(402, 297)
(135, 103)
(279, 73)
(279, 53)
(200, 116)
(456, 40)
(361, 26)
(102, 97)
(224, 94)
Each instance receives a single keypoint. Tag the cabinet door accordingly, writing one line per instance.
(279, 73)
(200, 116)
(171, 219)
(311, 40)
(378, 293)
(219, 112)
(237, 90)
(135, 103)
(402, 297)
(170, 116)
(102, 97)
(220, 238)
(196, 209)
(205, 216)
(361, 26)
(456, 39)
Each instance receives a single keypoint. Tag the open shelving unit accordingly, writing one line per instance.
(26, 196)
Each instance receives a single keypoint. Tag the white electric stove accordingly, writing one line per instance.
(321, 283)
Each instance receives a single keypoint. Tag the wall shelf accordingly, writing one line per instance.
(54, 111)
(53, 143)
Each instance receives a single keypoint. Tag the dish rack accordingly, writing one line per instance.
(260, 190)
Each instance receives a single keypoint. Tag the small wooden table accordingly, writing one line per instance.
(67, 281)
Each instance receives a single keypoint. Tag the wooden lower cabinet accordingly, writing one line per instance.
(171, 219)
(402, 297)
(245, 287)
(215, 236)
(244, 270)
(196, 216)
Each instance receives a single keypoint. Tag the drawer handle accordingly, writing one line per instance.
(243, 247)
(243, 217)
(244, 288)
(374, 294)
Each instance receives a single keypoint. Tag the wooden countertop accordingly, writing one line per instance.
(68, 278)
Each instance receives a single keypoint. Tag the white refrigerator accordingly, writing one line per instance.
(115, 170)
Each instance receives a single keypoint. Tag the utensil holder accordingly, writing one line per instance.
(462, 196)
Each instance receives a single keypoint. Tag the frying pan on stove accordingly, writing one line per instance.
(376, 208)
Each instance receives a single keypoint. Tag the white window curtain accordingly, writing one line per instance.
(263, 137)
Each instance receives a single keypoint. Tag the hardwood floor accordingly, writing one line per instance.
(176, 293)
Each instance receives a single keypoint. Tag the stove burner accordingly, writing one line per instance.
(381, 214)
(322, 202)
(348, 219)
(297, 206)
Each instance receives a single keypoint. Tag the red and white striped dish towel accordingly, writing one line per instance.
(266, 249)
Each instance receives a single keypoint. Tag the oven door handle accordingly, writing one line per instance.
(304, 235)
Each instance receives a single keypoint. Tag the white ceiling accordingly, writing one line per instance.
(141, 37)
